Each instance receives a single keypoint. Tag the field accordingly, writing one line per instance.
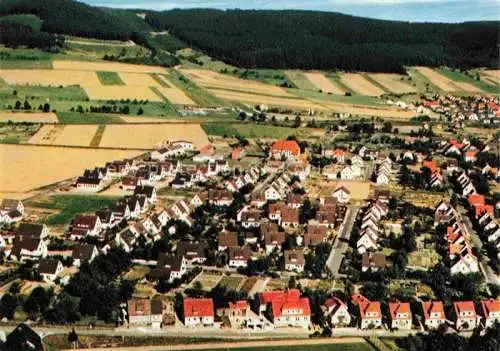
(99, 92)
(254, 131)
(209, 79)
(396, 83)
(385, 112)
(286, 346)
(31, 167)
(69, 135)
(299, 79)
(138, 79)
(88, 118)
(67, 206)
(459, 78)
(491, 76)
(18, 117)
(109, 78)
(360, 85)
(49, 77)
(105, 66)
(323, 83)
(444, 83)
(175, 96)
(232, 282)
(198, 95)
(147, 136)
(17, 133)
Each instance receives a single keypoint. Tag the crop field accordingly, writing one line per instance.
(49, 77)
(147, 136)
(210, 79)
(65, 135)
(175, 96)
(18, 117)
(396, 83)
(460, 77)
(87, 118)
(382, 111)
(109, 92)
(109, 78)
(138, 79)
(492, 76)
(299, 79)
(30, 167)
(446, 84)
(360, 85)
(105, 66)
(319, 80)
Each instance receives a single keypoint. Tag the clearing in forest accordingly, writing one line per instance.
(323, 83)
(359, 84)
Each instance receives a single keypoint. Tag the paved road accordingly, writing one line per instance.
(341, 242)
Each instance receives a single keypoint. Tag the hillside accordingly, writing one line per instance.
(322, 40)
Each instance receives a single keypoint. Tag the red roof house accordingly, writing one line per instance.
(286, 308)
(285, 148)
(198, 312)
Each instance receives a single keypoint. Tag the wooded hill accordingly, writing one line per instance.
(281, 39)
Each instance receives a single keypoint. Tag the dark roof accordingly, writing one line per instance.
(159, 273)
(104, 216)
(23, 338)
(83, 252)
(27, 243)
(84, 222)
(145, 190)
(29, 230)
(85, 180)
(48, 266)
(9, 204)
(228, 239)
(174, 262)
(191, 250)
(373, 260)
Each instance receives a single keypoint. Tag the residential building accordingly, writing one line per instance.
(285, 308)
(400, 315)
(465, 315)
(336, 312)
(369, 312)
(145, 312)
(490, 310)
(198, 312)
(433, 314)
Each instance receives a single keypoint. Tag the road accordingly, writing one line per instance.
(341, 242)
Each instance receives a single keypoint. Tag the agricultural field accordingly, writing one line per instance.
(67, 206)
(17, 133)
(300, 80)
(105, 66)
(42, 166)
(459, 78)
(395, 83)
(492, 76)
(109, 78)
(49, 77)
(360, 85)
(381, 111)
(174, 95)
(65, 135)
(138, 79)
(339, 345)
(30, 117)
(446, 84)
(256, 131)
(88, 118)
(320, 81)
(101, 92)
(148, 136)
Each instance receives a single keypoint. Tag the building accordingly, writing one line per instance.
(145, 312)
(50, 269)
(241, 316)
(400, 315)
(34, 231)
(465, 315)
(85, 225)
(285, 308)
(490, 310)
(433, 314)
(342, 194)
(336, 312)
(369, 312)
(23, 337)
(84, 253)
(239, 256)
(285, 149)
(28, 249)
(198, 312)
(294, 260)
(373, 261)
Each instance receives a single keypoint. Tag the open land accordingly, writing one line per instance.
(49, 77)
(394, 82)
(365, 110)
(323, 83)
(68, 135)
(360, 84)
(35, 117)
(29, 167)
(99, 92)
(105, 66)
(445, 83)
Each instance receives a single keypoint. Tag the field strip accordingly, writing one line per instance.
(160, 80)
(18, 117)
(393, 82)
(96, 139)
(121, 92)
(49, 77)
(265, 344)
(291, 97)
(438, 79)
(138, 79)
(175, 96)
(365, 110)
(106, 66)
(468, 87)
(44, 135)
(299, 79)
(375, 83)
(359, 84)
(160, 95)
(321, 82)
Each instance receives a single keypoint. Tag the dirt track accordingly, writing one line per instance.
(229, 345)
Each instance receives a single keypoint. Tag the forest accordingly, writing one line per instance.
(323, 40)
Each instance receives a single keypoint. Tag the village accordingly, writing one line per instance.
(325, 238)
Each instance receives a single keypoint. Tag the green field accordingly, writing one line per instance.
(87, 118)
(71, 205)
(354, 99)
(462, 77)
(299, 79)
(109, 78)
(223, 130)
(252, 130)
(39, 93)
(320, 347)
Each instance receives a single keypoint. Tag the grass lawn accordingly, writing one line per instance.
(252, 130)
(71, 205)
(317, 347)
(462, 77)
(224, 130)
(197, 94)
(109, 78)
(268, 76)
(87, 118)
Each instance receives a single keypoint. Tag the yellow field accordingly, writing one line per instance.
(323, 83)
(210, 79)
(445, 83)
(28, 117)
(29, 167)
(106, 66)
(68, 135)
(138, 79)
(253, 99)
(165, 80)
(360, 84)
(393, 83)
(138, 119)
(176, 96)
(365, 110)
(117, 92)
(147, 136)
(48, 77)
(492, 76)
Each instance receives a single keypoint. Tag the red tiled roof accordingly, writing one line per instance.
(464, 306)
(286, 145)
(433, 306)
(198, 308)
(283, 301)
(482, 209)
(366, 306)
(489, 306)
(399, 307)
(240, 304)
(432, 165)
(476, 199)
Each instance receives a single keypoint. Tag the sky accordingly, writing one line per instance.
(403, 10)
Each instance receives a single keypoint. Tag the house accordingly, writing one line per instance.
(369, 312)
(315, 234)
(294, 260)
(470, 156)
(241, 316)
(50, 269)
(272, 193)
(220, 197)
(373, 261)
(237, 153)
(342, 194)
(433, 314)
(126, 239)
(336, 312)
(227, 239)
(89, 185)
(145, 312)
(490, 310)
(193, 252)
(465, 315)
(400, 315)
(23, 337)
(367, 241)
(172, 266)
(273, 240)
(11, 211)
(465, 262)
(239, 256)
(285, 308)
(83, 253)
(148, 190)
(107, 219)
(198, 312)
(85, 225)
(30, 230)
(285, 149)
(27, 248)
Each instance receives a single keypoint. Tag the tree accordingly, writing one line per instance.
(297, 122)
(73, 338)
(8, 305)
(26, 105)
(38, 302)
(65, 310)
(140, 111)
(46, 107)
(17, 105)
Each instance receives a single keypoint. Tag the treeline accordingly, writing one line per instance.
(16, 32)
(322, 40)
